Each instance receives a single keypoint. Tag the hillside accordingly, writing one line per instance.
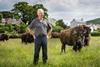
(94, 21)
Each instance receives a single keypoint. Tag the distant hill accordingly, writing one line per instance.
(95, 21)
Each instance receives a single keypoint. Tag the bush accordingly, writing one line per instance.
(98, 29)
(2, 29)
(95, 34)
(22, 28)
(9, 28)
(57, 29)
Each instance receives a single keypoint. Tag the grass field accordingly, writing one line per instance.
(15, 54)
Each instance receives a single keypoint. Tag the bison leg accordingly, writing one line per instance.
(79, 47)
(63, 48)
(75, 48)
(86, 43)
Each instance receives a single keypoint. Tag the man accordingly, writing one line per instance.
(40, 27)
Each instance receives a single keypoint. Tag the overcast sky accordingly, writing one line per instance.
(63, 9)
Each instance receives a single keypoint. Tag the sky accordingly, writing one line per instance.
(63, 9)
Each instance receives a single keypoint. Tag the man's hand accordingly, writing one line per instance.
(31, 32)
(49, 33)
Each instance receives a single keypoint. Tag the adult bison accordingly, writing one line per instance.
(27, 38)
(73, 37)
(4, 37)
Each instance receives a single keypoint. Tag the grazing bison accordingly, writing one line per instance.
(55, 35)
(4, 37)
(73, 37)
(27, 38)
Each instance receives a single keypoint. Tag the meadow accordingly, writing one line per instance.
(15, 54)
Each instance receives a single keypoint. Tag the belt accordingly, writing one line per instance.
(40, 35)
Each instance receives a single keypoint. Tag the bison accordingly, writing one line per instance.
(27, 38)
(55, 35)
(4, 37)
(73, 37)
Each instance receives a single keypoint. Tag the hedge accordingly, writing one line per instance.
(95, 34)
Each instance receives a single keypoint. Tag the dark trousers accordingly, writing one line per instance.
(40, 41)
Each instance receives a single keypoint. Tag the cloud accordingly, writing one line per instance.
(69, 9)
(8, 4)
(61, 5)
(64, 9)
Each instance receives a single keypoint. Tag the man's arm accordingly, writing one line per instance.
(31, 27)
(30, 31)
(49, 30)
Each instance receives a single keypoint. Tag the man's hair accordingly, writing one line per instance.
(40, 10)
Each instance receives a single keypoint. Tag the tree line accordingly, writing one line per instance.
(27, 13)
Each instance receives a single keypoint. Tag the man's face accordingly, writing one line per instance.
(40, 14)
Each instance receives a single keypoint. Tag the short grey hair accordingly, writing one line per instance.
(40, 10)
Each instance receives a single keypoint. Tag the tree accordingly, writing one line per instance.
(7, 14)
(61, 23)
(28, 12)
(1, 16)
(57, 28)
(21, 7)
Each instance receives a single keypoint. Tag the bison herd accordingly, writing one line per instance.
(77, 37)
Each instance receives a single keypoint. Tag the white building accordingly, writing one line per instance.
(75, 23)
(11, 21)
(94, 27)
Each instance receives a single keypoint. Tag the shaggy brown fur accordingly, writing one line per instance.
(73, 37)
(4, 37)
(55, 35)
(27, 38)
